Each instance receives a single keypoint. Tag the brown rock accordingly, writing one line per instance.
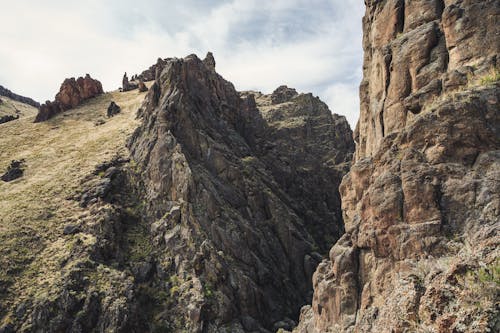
(419, 200)
(128, 85)
(142, 86)
(71, 94)
(113, 109)
(238, 184)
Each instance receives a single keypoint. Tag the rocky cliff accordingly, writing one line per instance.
(241, 193)
(72, 93)
(420, 204)
(214, 223)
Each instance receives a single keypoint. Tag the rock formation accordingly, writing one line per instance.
(7, 118)
(142, 86)
(215, 224)
(240, 194)
(14, 171)
(128, 85)
(71, 94)
(420, 204)
(26, 100)
(113, 109)
(283, 94)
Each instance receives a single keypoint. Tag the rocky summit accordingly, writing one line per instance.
(246, 208)
(420, 203)
(71, 94)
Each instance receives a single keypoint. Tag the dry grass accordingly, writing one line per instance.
(11, 107)
(34, 208)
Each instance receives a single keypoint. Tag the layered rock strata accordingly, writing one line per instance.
(421, 203)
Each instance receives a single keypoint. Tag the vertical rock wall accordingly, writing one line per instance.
(421, 206)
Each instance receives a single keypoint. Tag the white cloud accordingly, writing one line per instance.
(311, 45)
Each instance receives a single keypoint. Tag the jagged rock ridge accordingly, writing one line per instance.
(420, 204)
(71, 94)
(245, 208)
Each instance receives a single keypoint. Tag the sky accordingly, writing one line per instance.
(311, 45)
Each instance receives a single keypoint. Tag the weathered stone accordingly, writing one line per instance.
(418, 205)
(7, 118)
(71, 94)
(14, 171)
(142, 86)
(128, 85)
(71, 229)
(283, 94)
(113, 109)
(237, 183)
(209, 61)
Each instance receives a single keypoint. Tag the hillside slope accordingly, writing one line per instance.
(11, 109)
(35, 208)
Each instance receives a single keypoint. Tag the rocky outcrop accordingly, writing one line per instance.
(215, 224)
(113, 109)
(234, 205)
(71, 94)
(128, 85)
(150, 73)
(14, 171)
(420, 208)
(142, 87)
(26, 100)
(7, 118)
(283, 94)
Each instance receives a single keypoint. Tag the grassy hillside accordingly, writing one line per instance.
(11, 107)
(34, 209)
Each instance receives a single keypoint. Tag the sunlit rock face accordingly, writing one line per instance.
(420, 203)
(72, 93)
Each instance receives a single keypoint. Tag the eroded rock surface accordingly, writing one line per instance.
(72, 93)
(420, 204)
(240, 203)
(113, 109)
(14, 171)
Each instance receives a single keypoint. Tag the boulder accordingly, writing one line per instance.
(113, 109)
(128, 85)
(142, 86)
(14, 171)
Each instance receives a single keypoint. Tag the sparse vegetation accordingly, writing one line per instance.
(35, 207)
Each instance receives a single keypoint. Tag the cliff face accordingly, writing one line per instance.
(420, 203)
(238, 210)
